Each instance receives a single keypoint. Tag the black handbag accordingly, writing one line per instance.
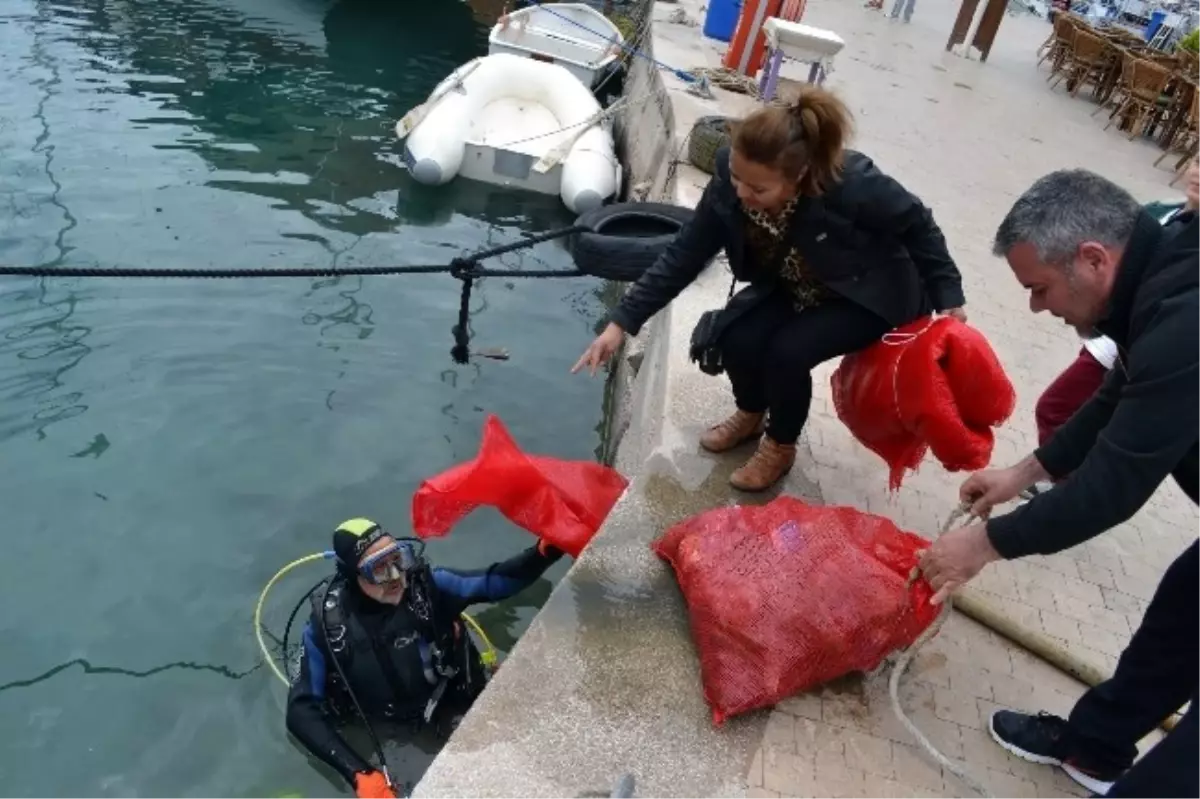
(705, 349)
(706, 336)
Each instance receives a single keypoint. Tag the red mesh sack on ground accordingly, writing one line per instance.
(563, 502)
(786, 596)
(930, 385)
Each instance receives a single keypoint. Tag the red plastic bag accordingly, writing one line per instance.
(932, 384)
(786, 596)
(562, 502)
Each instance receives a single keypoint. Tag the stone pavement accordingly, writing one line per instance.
(606, 680)
(968, 138)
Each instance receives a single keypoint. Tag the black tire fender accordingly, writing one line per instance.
(623, 240)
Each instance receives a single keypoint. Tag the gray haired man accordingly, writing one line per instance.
(1089, 254)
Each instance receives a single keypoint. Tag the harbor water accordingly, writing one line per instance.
(166, 445)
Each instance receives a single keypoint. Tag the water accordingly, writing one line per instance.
(167, 445)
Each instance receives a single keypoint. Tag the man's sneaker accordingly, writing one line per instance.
(1038, 739)
(1043, 739)
(1096, 780)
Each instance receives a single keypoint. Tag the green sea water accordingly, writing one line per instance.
(166, 445)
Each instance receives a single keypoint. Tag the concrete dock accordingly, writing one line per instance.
(606, 680)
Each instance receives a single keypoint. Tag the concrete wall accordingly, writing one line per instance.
(606, 682)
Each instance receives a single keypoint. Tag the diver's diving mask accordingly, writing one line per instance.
(394, 562)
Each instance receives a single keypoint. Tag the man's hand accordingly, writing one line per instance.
(959, 313)
(955, 558)
(372, 785)
(991, 487)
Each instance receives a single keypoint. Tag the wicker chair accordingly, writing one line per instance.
(1185, 139)
(1189, 63)
(1059, 43)
(1141, 104)
(1120, 91)
(1088, 61)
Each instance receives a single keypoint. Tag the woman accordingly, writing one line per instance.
(860, 255)
(1079, 381)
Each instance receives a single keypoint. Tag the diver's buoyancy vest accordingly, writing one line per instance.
(395, 667)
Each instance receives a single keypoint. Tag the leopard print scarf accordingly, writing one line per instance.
(764, 234)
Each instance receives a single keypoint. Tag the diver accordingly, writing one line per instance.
(385, 641)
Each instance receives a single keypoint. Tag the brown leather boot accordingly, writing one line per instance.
(770, 462)
(734, 431)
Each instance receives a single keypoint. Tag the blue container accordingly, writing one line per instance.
(1156, 21)
(721, 19)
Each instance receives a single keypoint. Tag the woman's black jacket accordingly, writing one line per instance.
(866, 238)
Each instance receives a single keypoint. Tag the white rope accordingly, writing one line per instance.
(894, 339)
(597, 118)
(906, 657)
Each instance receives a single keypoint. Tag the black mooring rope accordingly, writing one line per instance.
(466, 269)
(455, 267)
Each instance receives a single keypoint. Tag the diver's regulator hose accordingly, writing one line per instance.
(262, 599)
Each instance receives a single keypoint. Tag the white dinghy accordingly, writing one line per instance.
(515, 122)
(571, 35)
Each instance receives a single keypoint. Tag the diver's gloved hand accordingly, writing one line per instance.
(548, 550)
(372, 785)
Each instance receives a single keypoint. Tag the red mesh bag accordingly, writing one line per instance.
(563, 502)
(786, 596)
(932, 384)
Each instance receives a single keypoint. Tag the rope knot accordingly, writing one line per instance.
(465, 268)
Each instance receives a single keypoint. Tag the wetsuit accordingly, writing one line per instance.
(395, 656)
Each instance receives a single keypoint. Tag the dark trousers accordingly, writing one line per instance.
(1156, 675)
(770, 351)
(1075, 386)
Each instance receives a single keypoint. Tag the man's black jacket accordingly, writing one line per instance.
(867, 238)
(1142, 424)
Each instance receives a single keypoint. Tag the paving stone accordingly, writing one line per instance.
(1097, 575)
(806, 706)
(1012, 692)
(914, 768)
(870, 754)
(754, 777)
(880, 786)
(1060, 626)
(1102, 639)
(780, 732)
(786, 772)
(1005, 784)
(762, 793)
(956, 706)
(840, 781)
(1089, 598)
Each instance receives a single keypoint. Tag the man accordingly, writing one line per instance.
(385, 640)
(1091, 256)
(1079, 381)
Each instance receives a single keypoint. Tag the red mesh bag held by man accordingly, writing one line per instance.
(786, 596)
(933, 384)
(562, 502)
